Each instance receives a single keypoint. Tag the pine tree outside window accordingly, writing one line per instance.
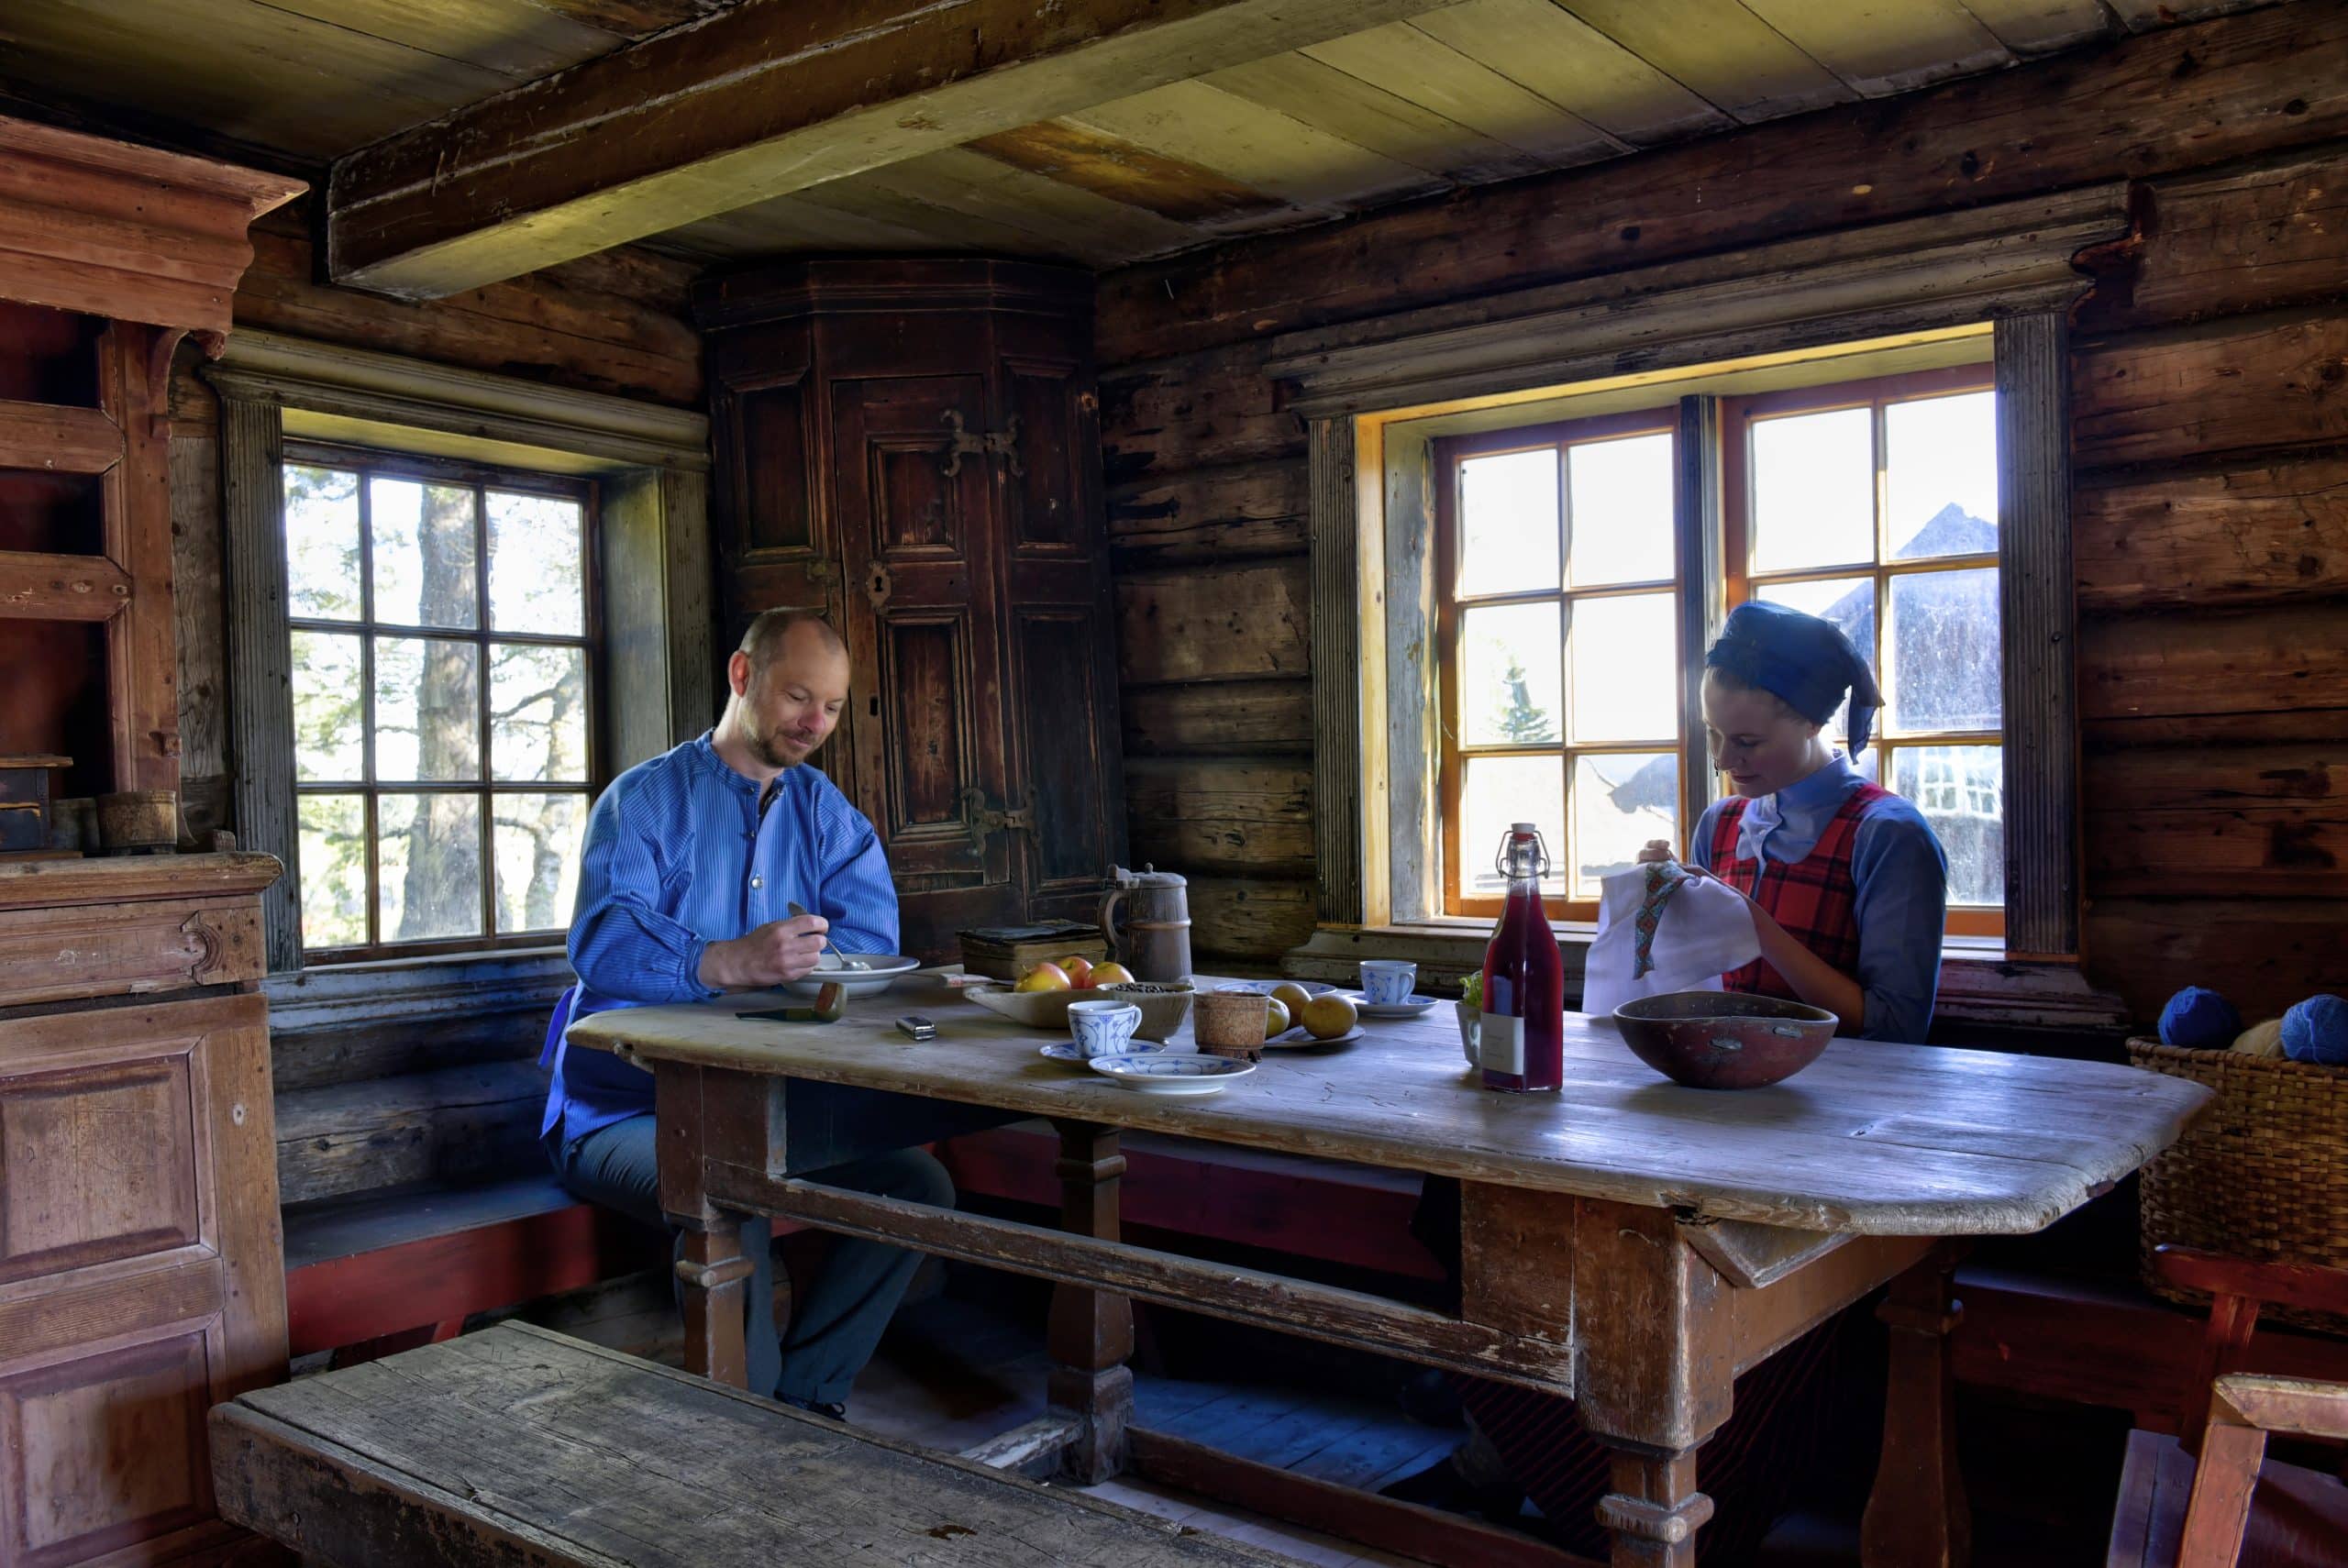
(442, 640)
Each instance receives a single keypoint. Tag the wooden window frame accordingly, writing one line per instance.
(1737, 416)
(1449, 453)
(368, 463)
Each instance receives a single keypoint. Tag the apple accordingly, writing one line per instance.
(1111, 974)
(1079, 971)
(1044, 977)
(1327, 1016)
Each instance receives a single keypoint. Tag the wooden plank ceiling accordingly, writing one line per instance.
(1453, 95)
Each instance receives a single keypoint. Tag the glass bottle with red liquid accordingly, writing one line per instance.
(1521, 1042)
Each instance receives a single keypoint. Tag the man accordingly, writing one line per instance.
(690, 860)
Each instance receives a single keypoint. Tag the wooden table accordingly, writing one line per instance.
(1627, 1242)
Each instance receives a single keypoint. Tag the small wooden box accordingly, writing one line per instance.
(1004, 953)
(24, 802)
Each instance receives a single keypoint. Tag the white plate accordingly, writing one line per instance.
(1263, 987)
(1415, 1008)
(1168, 1073)
(883, 970)
(1065, 1051)
(1300, 1038)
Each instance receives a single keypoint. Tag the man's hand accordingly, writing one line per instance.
(1657, 849)
(775, 954)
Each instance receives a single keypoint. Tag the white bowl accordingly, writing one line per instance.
(881, 971)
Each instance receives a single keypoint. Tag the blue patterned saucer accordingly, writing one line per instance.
(1168, 1074)
(1065, 1051)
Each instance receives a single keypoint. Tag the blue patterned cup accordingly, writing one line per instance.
(1388, 982)
(1103, 1028)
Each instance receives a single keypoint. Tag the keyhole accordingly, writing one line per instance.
(876, 707)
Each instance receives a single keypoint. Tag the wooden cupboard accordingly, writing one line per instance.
(141, 1264)
(912, 447)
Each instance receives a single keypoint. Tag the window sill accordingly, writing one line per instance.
(441, 985)
(1980, 987)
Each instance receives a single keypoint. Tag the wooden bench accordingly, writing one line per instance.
(518, 1446)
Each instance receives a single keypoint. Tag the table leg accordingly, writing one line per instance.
(1652, 1374)
(1092, 1331)
(1917, 1515)
(714, 1270)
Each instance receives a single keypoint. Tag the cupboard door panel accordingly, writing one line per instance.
(103, 1453)
(774, 513)
(919, 537)
(100, 1163)
(1058, 672)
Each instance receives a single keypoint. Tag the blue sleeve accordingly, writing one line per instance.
(621, 944)
(857, 897)
(1902, 910)
(1699, 842)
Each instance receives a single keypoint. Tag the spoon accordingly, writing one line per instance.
(838, 957)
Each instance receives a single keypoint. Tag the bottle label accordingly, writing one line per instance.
(1500, 1044)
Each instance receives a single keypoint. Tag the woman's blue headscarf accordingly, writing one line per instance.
(1807, 661)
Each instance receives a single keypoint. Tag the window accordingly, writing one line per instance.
(1561, 698)
(1872, 504)
(441, 627)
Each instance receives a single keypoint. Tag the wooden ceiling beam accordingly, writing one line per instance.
(757, 102)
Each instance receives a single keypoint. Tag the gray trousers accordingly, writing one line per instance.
(835, 1330)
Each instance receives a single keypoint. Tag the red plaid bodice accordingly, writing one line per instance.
(1814, 897)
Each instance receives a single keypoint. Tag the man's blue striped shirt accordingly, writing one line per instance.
(680, 855)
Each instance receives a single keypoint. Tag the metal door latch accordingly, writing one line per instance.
(1003, 443)
(979, 818)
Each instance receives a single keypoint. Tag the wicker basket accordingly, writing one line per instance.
(2261, 1175)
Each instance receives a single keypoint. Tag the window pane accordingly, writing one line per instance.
(1961, 791)
(327, 723)
(1627, 668)
(1621, 801)
(428, 708)
(1943, 645)
(425, 553)
(1849, 603)
(1619, 511)
(537, 713)
(333, 870)
(321, 543)
(429, 866)
(537, 858)
(1508, 523)
(1509, 676)
(1495, 791)
(535, 582)
(1813, 490)
(1941, 476)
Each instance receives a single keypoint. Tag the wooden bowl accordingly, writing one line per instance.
(1163, 1007)
(1724, 1040)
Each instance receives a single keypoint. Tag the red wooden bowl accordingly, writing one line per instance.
(1723, 1040)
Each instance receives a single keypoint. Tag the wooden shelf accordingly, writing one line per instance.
(35, 586)
(58, 438)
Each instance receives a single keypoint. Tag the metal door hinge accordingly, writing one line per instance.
(979, 818)
(1003, 443)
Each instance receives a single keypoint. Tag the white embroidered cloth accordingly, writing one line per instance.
(1704, 930)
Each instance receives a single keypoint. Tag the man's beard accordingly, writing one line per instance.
(769, 749)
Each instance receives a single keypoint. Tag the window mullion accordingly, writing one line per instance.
(1700, 526)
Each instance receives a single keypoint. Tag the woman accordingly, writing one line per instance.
(1848, 885)
(1848, 888)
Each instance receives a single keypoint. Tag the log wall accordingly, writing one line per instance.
(395, 1099)
(2210, 461)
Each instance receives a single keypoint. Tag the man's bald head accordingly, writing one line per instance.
(772, 630)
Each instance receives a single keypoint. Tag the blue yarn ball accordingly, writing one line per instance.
(2200, 1019)
(2317, 1031)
